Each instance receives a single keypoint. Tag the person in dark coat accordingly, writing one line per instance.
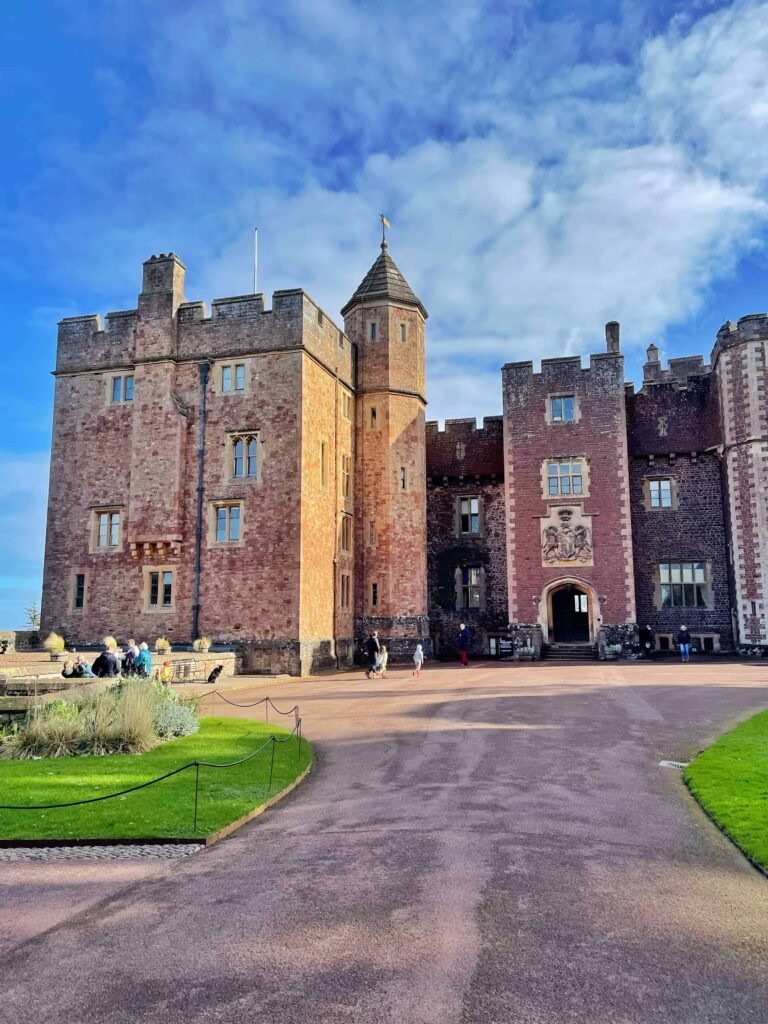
(647, 641)
(683, 640)
(215, 673)
(462, 643)
(372, 648)
(106, 665)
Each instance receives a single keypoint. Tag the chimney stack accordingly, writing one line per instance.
(612, 336)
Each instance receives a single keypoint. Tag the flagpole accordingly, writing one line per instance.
(255, 259)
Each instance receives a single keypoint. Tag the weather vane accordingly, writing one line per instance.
(384, 225)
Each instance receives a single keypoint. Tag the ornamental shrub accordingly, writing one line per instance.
(173, 719)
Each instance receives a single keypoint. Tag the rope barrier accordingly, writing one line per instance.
(296, 731)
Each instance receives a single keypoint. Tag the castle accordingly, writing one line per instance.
(262, 477)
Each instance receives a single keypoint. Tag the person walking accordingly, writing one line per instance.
(418, 661)
(372, 648)
(463, 643)
(684, 643)
(383, 660)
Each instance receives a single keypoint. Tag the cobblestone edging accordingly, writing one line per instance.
(151, 851)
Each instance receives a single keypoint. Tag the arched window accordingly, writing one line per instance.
(253, 463)
(238, 468)
(245, 455)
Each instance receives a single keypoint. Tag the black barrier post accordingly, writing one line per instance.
(298, 745)
(272, 763)
(197, 788)
(266, 710)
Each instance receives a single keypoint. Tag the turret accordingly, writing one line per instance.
(386, 321)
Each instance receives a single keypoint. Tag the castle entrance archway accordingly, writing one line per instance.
(570, 615)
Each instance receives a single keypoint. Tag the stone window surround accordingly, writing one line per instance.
(670, 638)
(218, 368)
(159, 608)
(322, 460)
(708, 597)
(646, 482)
(109, 376)
(345, 476)
(229, 456)
(78, 571)
(346, 404)
(548, 409)
(95, 512)
(458, 583)
(345, 590)
(346, 525)
(480, 515)
(213, 505)
(583, 461)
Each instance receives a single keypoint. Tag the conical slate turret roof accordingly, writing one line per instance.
(384, 281)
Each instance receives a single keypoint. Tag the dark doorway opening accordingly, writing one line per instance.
(570, 615)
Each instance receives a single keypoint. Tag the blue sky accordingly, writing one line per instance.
(546, 166)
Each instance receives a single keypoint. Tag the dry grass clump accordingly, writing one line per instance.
(122, 720)
(54, 643)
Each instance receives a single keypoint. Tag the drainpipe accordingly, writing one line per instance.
(203, 369)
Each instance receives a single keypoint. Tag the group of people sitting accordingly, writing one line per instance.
(135, 660)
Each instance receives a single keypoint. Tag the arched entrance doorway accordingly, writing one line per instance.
(570, 615)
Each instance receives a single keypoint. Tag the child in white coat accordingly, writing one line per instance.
(418, 661)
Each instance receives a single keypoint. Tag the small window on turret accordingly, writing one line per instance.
(403, 478)
(372, 418)
(403, 332)
(372, 331)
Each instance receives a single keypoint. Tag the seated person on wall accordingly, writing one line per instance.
(82, 669)
(106, 665)
(68, 670)
(143, 664)
(129, 659)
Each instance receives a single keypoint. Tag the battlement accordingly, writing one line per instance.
(237, 325)
(752, 327)
(462, 448)
(678, 371)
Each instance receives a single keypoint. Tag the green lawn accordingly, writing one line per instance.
(730, 781)
(165, 809)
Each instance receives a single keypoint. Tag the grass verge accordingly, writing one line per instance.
(164, 810)
(730, 781)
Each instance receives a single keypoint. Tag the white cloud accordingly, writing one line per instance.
(542, 176)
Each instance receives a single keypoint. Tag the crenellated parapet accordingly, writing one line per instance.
(462, 449)
(163, 327)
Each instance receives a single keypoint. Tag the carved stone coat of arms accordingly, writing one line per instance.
(566, 538)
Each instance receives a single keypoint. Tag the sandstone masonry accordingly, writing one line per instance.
(265, 478)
